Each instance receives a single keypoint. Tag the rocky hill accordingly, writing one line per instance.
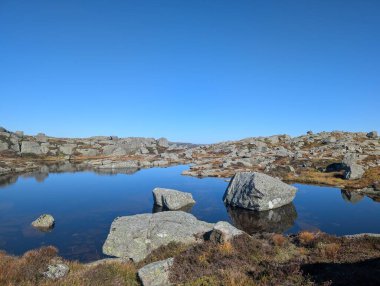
(344, 159)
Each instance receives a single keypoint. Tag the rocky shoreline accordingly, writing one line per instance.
(343, 159)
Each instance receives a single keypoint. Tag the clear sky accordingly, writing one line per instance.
(194, 71)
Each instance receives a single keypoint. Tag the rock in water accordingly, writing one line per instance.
(257, 191)
(156, 273)
(137, 236)
(45, 221)
(172, 199)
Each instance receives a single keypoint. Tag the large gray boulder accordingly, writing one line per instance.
(137, 236)
(257, 191)
(352, 170)
(156, 273)
(67, 149)
(30, 147)
(172, 199)
(163, 142)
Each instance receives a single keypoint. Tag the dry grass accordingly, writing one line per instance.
(329, 250)
(279, 240)
(305, 259)
(306, 238)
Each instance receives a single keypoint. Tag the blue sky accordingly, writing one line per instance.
(194, 71)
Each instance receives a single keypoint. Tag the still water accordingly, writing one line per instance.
(85, 203)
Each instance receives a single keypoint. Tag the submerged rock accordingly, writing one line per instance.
(45, 221)
(137, 236)
(156, 273)
(257, 191)
(172, 199)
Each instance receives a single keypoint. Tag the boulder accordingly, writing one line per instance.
(41, 137)
(172, 199)
(45, 221)
(56, 271)
(67, 149)
(258, 191)
(223, 232)
(4, 146)
(30, 147)
(163, 142)
(372, 134)
(137, 236)
(352, 170)
(156, 273)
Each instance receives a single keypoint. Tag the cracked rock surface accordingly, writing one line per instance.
(137, 236)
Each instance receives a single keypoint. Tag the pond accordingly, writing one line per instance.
(85, 203)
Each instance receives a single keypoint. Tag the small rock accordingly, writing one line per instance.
(156, 273)
(45, 221)
(56, 271)
(223, 232)
(172, 199)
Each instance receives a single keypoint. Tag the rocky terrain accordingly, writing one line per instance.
(342, 159)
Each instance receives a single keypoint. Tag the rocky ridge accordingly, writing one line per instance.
(309, 158)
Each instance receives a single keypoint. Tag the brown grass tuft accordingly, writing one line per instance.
(279, 240)
(306, 238)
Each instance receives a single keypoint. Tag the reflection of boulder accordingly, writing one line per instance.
(277, 220)
(40, 177)
(126, 171)
(7, 180)
(351, 196)
(157, 209)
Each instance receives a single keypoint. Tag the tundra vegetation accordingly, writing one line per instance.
(265, 259)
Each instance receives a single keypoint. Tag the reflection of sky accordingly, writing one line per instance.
(84, 204)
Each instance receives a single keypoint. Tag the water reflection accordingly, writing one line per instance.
(277, 220)
(157, 209)
(43, 172)
(352, 197)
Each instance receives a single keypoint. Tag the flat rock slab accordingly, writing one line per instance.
(156, 273)
(257, 191)
(172, 199)
(137, 236)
